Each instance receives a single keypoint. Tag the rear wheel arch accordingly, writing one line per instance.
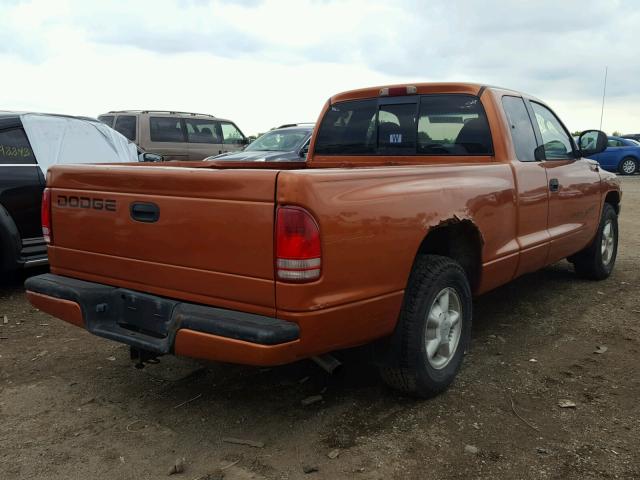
(459, 240)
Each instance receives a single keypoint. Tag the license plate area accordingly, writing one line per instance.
(142, 313)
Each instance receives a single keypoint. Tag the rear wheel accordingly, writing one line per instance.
(433, 330)
(628, 166)
(598, 259)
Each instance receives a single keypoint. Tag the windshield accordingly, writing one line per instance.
(278, 141)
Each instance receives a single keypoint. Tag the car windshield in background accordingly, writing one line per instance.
(278, 141)
(427, 125)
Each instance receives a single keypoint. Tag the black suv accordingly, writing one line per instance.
(21, 185)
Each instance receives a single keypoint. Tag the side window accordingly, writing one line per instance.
(522, 134)
(556, 141)
(15, 148)
(612, 142)
(348, 128)
(203, 131)
(126, 125)
(106, 119)
(231, 134)
(397, 129)
(453, 125)
(165, 129)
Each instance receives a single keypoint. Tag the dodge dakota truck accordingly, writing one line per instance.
(413, 199)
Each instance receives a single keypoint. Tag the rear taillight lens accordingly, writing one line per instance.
(47, 233)
(298, 256)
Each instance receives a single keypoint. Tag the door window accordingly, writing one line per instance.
(203, 131)
(126, 125)
(613, 142)
(15, 147)
(166, 129)
(231, 134)
(555, 139)
(522, 134)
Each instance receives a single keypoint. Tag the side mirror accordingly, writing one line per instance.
(539, 153)
(592, 142)
(304, 151)
(151, 157)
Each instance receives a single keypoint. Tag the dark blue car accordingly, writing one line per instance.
(622, 155)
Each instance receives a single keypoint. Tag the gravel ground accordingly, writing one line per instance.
(73, 407)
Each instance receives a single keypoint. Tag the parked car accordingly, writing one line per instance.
(413, 199)
(622, 155)
(288, 143)
(30, 144)
(177, 135)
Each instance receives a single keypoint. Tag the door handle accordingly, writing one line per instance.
(554, 185)
(145, 212)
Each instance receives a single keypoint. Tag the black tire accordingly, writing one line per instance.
(409, 369)
(628, 166)
(589, 263)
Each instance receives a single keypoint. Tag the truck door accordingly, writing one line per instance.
(531, 181)
(573, 185)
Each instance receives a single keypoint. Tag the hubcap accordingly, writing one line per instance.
(629, 166)
(444, 327)
(608, 241)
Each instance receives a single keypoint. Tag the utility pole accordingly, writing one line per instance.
(604, 91)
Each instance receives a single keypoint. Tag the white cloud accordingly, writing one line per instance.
(262, 63)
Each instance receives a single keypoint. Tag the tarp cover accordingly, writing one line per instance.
(63, 140)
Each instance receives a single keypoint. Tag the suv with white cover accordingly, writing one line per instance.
(30, 143)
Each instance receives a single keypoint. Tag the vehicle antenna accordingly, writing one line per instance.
(604, 91)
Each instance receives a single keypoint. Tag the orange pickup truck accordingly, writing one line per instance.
(413, 198)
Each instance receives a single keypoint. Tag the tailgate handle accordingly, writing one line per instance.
(145, 212)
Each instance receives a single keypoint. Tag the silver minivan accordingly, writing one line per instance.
(177, 135)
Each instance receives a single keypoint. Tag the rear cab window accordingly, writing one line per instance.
(438, 124)
(15, 148)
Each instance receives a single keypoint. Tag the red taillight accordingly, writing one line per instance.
(46, 215)
(298, 257)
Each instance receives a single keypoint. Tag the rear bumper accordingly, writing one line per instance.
(162, 325)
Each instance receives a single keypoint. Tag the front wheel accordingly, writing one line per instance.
(433, 330)
(597, 260)
(628, 166)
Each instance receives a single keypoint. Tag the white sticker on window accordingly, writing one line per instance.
(395, 138)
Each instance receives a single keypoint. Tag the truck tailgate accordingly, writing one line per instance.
(212, 240)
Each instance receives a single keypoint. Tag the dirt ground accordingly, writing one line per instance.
(73, 407)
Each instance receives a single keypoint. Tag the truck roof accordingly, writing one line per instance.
(420, 88)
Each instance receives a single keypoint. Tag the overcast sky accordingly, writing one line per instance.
(262, 63)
